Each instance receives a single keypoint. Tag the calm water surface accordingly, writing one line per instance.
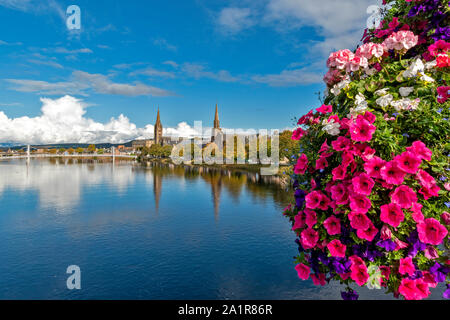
(145, 233)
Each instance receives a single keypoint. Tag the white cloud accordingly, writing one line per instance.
(46, 63)
(163, 44)
(234, 20)
(4, 43)
(64, 120)
(151, 72)
(340, 23)
(82, 81)
(289, 78)
(198, 71)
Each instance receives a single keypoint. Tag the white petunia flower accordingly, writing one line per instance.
(415, 67)
(385, 100)
(331, 127)
(406, 91)
(381, 92)
(374, 277)
(430, 64)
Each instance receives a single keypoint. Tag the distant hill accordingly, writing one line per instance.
(15, 146)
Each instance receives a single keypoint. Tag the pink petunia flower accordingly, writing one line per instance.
(341, 143)
(386, 233)
(392, 174)
(321, 163)
(301, 165)
(303, 271)
(419, 148)
(416, 212)
(339, 173)
(318, 280)
(406, 266)
(368, 234)
(325, 109)
(431, 231)
(439, 47)
(373, 167)
(359, 273)
(309, 238)
(400, 244)
(337, 249)
(414, 289)
(359, 221)
(363, 184)
(299, 221)
(404, 196)
(311, 218)
(339, 194)
(360, 203)
(361, 130)
(408, 162)
(392, 214)
(313, 199)
(431, 253)
(430, 192)
(332, 225)
(425, 179)
(298, 134)
(445, 216)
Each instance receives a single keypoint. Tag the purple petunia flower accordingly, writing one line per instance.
(388, 244)
(446, 294)
(349, 295)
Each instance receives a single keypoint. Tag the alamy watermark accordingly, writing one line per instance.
(74, 280)
(73, 21)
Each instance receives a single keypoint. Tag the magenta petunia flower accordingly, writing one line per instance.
(359, 221)
(303, 271)
(299, 221)
(362, 130)
(391, 173)
(339, 173)
(425, 179)
(368, 234)
(321, 163)
(301, 165)
(416, 212)
(392, 214)
(339, 194)
(414, 289)
(325, 109)
(298, 134)
(430, 192)
(406, 266)
(337, 249)
(445, 216)
(318, 280)
(313, 199)
(419, 148)
(363, 184)
(360, 203)
(341, 143)
(404, 196)
(408, 162)
(311, 218)
(373, 167)
(332, 225)
(359, 273)
(386, 233)
(309, 238)
(431, 231)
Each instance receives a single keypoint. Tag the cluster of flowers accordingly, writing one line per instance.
(345, 61)
(363, 214)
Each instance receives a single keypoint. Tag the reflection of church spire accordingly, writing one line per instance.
(157, 186)
(216, 187)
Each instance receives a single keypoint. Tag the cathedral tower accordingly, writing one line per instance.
(216, 131)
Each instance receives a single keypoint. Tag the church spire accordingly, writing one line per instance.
(216, 119)
(158, 129)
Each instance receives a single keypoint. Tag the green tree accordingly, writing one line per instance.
(91, 148)
(70, 150)
(288, 147)
(52, 151)
(80, 150)
(62, 150)
(100, 151)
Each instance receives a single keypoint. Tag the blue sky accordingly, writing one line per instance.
(261, 61)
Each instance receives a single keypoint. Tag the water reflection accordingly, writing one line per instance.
(60, 182)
